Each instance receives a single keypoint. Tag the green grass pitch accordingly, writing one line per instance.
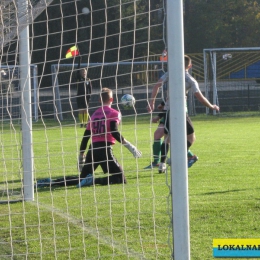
(131, 221)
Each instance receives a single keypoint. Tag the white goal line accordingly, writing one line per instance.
(118, 245)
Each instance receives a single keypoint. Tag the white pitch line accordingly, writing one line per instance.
(89, 230)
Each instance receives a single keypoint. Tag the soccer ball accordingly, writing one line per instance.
(127, 101)
(227, 56)
(85, 10)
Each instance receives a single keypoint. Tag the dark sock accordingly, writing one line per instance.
(157, 150)
(190, 153)
(164, 151)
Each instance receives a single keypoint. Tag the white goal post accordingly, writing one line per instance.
(234, 72)
(146, 217)
(19, 103)
(11, 91)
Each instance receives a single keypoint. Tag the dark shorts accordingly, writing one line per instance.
(166, 122)
(82, 102)
(189, 125)
(101, 154)
(162, 118)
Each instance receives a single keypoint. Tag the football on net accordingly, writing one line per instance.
(127, 101)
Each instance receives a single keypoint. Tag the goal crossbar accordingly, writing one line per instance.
(146, 72)
(210, 57)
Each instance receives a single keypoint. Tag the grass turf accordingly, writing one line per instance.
(131, 221)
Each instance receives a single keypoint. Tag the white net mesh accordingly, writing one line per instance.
(124, 221)
(232, 78)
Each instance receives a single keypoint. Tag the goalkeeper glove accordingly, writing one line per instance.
(81, 161)
(136, 153)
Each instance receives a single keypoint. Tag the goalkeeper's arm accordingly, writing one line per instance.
(116, 134)
(83, 147)
(84, 141)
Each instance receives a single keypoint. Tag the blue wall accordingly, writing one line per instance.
(251, 71)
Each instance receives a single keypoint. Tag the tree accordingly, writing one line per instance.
(222, 23)
(111, 32)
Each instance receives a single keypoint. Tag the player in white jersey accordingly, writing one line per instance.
(190, 85)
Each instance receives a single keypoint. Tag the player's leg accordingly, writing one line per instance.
(190, 153)
(63, 181)
(192, 158)
(91, 163)
(82, 179)
(103, 156)
(42, 183)
(157, 147)
(85, 117)
(85, 112)
(190, 140)
(81, 118)
(80, 104)
(158, 134)
(113, 168)
(164, 152)
(165, 144)
(66, 181)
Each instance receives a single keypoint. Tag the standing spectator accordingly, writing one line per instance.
(84, 90)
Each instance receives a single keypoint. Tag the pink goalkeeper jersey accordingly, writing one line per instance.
(99, 124)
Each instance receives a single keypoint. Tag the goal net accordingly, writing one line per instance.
(11, 109)
(122, 77)
(11, 92)
(232, 78)
(120, 43)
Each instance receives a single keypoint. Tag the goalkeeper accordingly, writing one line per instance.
(102, 128)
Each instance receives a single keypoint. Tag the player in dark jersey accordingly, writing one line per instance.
(102, 128)
(84, 90)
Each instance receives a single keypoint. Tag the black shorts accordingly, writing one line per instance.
(166, 122)
(101, 153)
(189, 125)
(162, 116)
(82, 102)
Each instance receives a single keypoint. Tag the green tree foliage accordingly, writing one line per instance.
(113, 30)
(131, 30)
(221, 24)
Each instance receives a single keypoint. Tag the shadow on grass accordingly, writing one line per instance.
(222, 192)
(9, 196)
